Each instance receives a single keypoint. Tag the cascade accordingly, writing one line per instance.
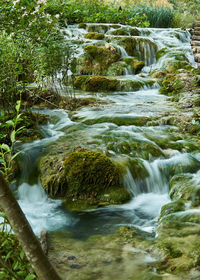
(117, 127)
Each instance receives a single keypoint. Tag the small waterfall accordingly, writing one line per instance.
(42, 212)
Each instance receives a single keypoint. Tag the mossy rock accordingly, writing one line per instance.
(172, 207)
(95, 61)
(119, 120)
(135, 148)
(98, 28)
(171, 85)
(82, 25)
(96, 83)
(161, 53)
(172, 65)
(182, 186)
(88, 179)
(117, 69)
(119, 32)
(135, 64)
(127, 42)
(94, 36)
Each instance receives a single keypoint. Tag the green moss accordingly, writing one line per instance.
(161, 53)
(182, 186)
(84, 179)
(171, 85)
(90, 172)
(95, 61)
(117, 69)
(173, 207)
(119, 120)
(128, 43)
(96, 83)
(95, 36)
(135, 64)
(82, 25)
(120, 32)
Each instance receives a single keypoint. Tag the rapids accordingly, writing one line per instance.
(104, 127)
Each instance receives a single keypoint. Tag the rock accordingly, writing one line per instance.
(96, 83)
(184, 187)
(82, 25)
(135, 64)
(94, 36)
(83, 177)
(172, 207)
(95, 61)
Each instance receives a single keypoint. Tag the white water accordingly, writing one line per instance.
(149, 194)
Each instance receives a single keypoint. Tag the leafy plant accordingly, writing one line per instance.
(13, 262)
(7, 155)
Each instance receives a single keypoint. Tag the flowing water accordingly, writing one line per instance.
(104, 128)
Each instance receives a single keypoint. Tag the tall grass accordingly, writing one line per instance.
(158, 16)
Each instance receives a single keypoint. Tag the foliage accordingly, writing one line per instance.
(7, 155)
(13, 262)
(171, 85)
(95, 11)
(31, 46)
(158, 16)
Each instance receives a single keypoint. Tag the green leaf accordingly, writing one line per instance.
(30, 277)
(5, 147)
(8, 255)
(17, 107)
(15, 265)
(21, 254)
(10, 123)
(12, 136)
(15, 155)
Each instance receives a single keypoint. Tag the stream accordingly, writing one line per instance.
(107, 128)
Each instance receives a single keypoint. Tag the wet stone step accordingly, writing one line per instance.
(196, 49)
(196, 38)
(197, 58)
(195, 43)
(195, 32)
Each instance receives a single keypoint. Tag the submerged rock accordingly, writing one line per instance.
(85, 178)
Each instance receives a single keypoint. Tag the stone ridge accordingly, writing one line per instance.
(195, 42)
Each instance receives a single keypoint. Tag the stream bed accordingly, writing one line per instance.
(124, 125)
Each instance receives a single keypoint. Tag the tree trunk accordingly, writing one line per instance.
(25, 235)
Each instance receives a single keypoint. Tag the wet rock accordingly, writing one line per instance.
(184, 187)
(96, 83)
(87, 178)
(172, 207)
(135, 64)
(94, 36)
(95, 60)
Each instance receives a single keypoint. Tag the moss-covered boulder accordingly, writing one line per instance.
(172, 65)
(184, 187)
(127, 42)
(94, 36)
(119, 32)
(117, 69)
(135, 64)
(82, 25)
(172, 207)
(85, 178)
(96, 83)
(161, 53)
(95, 61)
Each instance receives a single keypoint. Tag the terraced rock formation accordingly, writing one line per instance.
(195, 42)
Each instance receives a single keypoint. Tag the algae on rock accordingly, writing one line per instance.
(83, 176)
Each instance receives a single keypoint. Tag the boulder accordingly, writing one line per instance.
(85, 178)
